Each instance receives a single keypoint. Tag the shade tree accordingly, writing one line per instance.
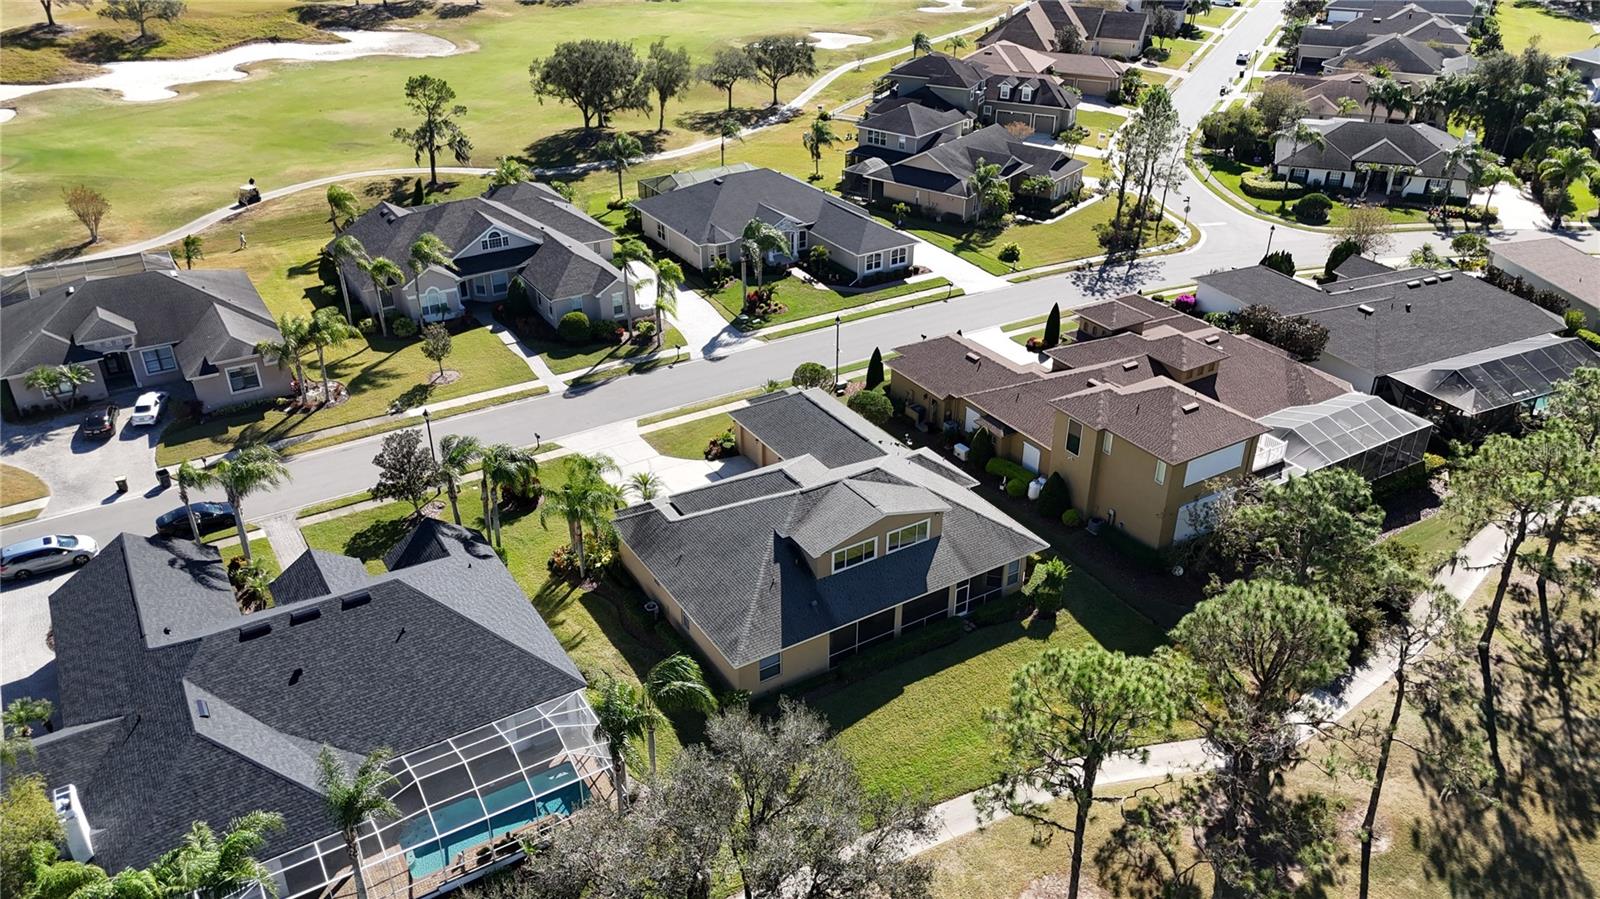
(433, 102)
(668, 73)
(776, 58)
(598, 77)
(407, 469)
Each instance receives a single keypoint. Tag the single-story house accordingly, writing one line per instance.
(1460, 12)
(517, 232)
(842, 540)
(177, 708)
(1553, 264)
(1085, 73)
(936, 182)
(1105, 32)
(703, 222)
(1406, 160)
(1320, 43)
(1324, 96)
(155, 328)
(1409, 61)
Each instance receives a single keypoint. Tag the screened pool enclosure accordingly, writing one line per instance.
(1356, 431)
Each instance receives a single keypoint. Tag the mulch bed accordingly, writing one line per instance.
(450, 376)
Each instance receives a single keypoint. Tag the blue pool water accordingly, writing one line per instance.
(510, 808)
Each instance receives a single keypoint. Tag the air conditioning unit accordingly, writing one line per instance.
(80, 842)
(961, 450)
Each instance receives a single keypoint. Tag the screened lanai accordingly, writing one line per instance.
(1355, 430)
(1474, 384)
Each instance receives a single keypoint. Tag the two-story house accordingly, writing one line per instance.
(518, 232)
(1086, 74)
(1320, 43)
(1104, 32)
(841, 540)
(897, 127)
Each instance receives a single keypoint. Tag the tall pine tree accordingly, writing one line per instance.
(1052, 327)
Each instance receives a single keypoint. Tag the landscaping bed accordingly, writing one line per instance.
(689, 439)
(1231, 175)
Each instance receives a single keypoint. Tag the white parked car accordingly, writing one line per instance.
(21, 561)
(147, 408)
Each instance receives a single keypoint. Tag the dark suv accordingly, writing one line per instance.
(210, 517)
(101, 422)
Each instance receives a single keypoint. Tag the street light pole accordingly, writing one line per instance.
(1185, 212)
(838, 323)
(427, 422)
(1271, 230)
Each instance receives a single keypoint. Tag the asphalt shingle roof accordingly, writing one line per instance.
(796, 423)
(1349, 142)
(948, 165)
(1167, 421)
(1558, 262)
(955, 366)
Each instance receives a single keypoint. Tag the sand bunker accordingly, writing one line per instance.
(145, 80)
(833, 40)
(947, 6)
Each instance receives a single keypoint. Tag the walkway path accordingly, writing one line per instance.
(707, 334)
(288, 544)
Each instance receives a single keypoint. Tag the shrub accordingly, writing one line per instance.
(1072, 518)
(403, 327)
(1296, 334)
(644, 331)
(1046, 587)
(574, 328)
(1263, 186)
(1412, 477)
(720, 273)
(811, 374)
(367, 325)
(1035, 344)
(1016, 488)
(1054, 498)
(872, 405)
(1313, 209)
(1341, 251)
(722, 446)
(603, 330)
(1433, 462)
(997, 611)
(1574, 320)
(982, 449)
(1591, 338)
(1282, 262)
(1008, 469)
(1186, 304)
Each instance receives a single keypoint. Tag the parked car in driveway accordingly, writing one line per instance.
(21, 561)
(210, 516)
(147, 408)
(101, 422)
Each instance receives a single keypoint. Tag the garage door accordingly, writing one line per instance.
(1044, 124)
(1006, 118)
(1030, 457)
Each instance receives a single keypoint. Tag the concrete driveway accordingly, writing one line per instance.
(81, 472)
(27, 666)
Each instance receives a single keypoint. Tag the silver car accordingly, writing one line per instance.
(21, 561)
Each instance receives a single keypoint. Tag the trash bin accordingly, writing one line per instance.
(122, 483)
(164, 478)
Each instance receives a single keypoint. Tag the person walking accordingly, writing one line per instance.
(242, 242)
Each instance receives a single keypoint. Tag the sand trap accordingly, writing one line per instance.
(833, 40)
(146, 80)
(947, 6)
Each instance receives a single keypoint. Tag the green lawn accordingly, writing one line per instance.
(805, 300)
(1063, 240)
(1231, 174)
(1179, 52)
(1216, 18)
(1438, 536)
(1100, 124)
(563, 358)
(688, 440)
(261, 550)
(19, 486)
(269, 125)
(378, 371)
(917, 727)
(1523, 23)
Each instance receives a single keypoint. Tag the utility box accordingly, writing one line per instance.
(80, 840)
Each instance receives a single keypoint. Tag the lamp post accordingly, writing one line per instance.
(427, 422)
(838, 324)
(1186, 212)
(538, 441)
(1271, 230)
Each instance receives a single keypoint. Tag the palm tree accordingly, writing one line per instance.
(674, 684)
(209, 867)
(508, 171)
(353, 797)
(191, 477)
(1558, 172)
(249, 470)
(19, 716)
(287, 350)
(758, 239)
(985, 183)
(920, 43)
(728, 130)
(429, 249)
(586, 498)
(190, 249)
(620, 151)
(328, 328)
(622, 711)
(1298, 133)
(1349, 106)
(668, 276)
(503, 467)
(457, 452)
(59, 382)
(1389, 94)
(645, 484)
(383, 273)
(342, 207)
(346, 250)
(817, 138)
(628, 250)
(955, 44)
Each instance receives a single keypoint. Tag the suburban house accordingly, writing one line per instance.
(936, 80)
(1553, 264)
(703, 222)
(936, 182)
(1587, 64)
(1093, 75)
(1105, 32)
(1445, 345)
(1320, 43)
(177, 708)
(842, 539)
(983, 87)
(518, 232)
(660, 184)
(1149, 405)
(1395, 159)
(151, 326)
(897, 127)
(1459, 12)
(1408, 61)
(1324, 96)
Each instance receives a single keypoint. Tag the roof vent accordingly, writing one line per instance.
(1094, 382)
(1212, 339)
(1408, 307)
(1364, 309)
(354, 600)
(1190, 408)
(202, 709)
(972, 357)
(1130, 365)
(716, 180)
(304, 615)
(1431, 279)
(250, 632)
(1446, 276)
(71, 289)
(1413, 284)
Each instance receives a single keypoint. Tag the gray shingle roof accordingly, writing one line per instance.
(149, 626)
(899, 116)
(806, 422)
(317, 573)
(1411, 21)
(1167, 421)
(940, 69)
(1349, 142)
(1558, 262)
(948, 165)
(1403, 54)
(1005, 56)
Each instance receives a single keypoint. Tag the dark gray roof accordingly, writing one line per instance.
(1505, 375)
(948, 165)
(739, 571)
(940, 69)
(1411, 21)
(951, 366)
(317, 573)
(1045, 91)
(899, 115)
(400, 660)
(1100, 23)
(799, 422)
(209, 315)
(1556, 261)
(1349, 142)
(1360, 267)
(1460, 10)
(1257, 284)
(717, 211)
(1404, 54)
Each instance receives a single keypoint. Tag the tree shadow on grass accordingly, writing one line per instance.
(359, 17)
(457, 10)
(372, 541)
(60, 254)
(38, 36)
(709, 121)
(103, 47)
(576, 145)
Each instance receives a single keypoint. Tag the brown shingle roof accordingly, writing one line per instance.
(955, 366)
(1162, 418)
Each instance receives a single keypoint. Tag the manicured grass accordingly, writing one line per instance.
(1100, 124)
(395, 424)
(1436, 537)
(263, 126)
(1178, 52)
(1523, 23)
(1216, 18)
(563, 358)
(805, 300)
(1063, 240)
(1230, 175)
(917, 727)
(334, 505)
(378, 372)
(688, 440)
(19, 517)
(19, 486)
(938, 297)
(261, 550)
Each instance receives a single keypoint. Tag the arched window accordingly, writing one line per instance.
(435, 303)
(494, 240)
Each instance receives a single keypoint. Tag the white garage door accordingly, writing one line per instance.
(1030, 457)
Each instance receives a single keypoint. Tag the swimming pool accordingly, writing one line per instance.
(471, 820)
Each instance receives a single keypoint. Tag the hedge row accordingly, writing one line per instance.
(1263, 186)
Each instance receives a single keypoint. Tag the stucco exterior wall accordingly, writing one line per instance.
(822, 566)
(931, 204)
(213, 390)
(28, 399)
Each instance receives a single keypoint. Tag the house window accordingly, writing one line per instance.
(910, 535)
(661, 232)
(1105, 442)
(898, 257)
(618, 307)
(1025, 94)
(987, 110)
(480, 286)
(1074, 437)
(497, 284)
(494, 240)
(771, 666)
(851, 556)
(874, 262)
(242, 378)
(159, 360)
(1014, 571)
(802, 239)
(434, 303)
(1161, 472)
(1005, 91)
(683, 620)
(902, 140)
